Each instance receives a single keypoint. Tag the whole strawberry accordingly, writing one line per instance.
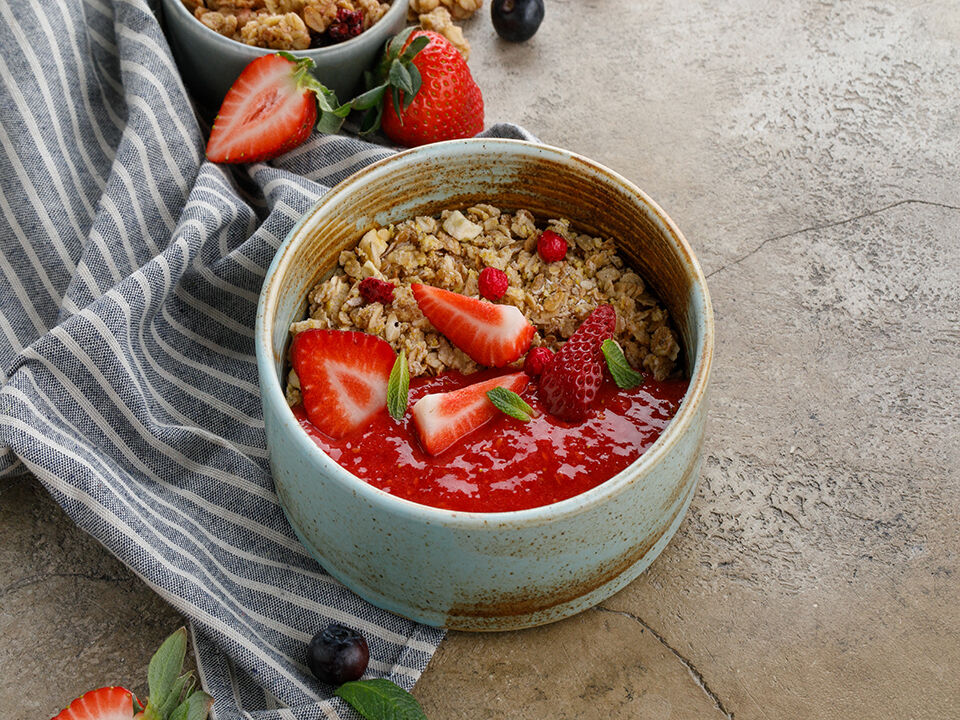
(423, 92)
(571, 380)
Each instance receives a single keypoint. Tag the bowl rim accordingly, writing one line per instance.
(330, 51)
(607, 490)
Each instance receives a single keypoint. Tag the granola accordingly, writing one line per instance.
(449, 251)
(288, 24)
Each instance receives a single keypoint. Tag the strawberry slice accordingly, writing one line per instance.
(107, 703)
(442, 419)
(492, 335)
(343, 377)
(270, 109)
(570, 381)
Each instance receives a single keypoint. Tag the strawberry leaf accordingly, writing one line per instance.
(380, 699)
(398, 387)
(371, 120)
(418, 44)
(509, 403)
(369, 99)
(400, 77)
(623, 375)
(416, 80)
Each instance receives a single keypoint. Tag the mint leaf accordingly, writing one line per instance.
(508, 402)
(398, 387)
(164, 669)
(195, 707)
(380, 699)
(623, 375)
(180, 688)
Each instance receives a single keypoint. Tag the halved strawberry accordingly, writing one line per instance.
(107, 703)
(270, 109)
(442, 419)
(343, 377)
(493, 335)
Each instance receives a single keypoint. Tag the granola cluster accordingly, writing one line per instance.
(450, 251)
(438, 15)
(288, 24)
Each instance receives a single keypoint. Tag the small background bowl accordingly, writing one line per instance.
(485, 571)
(209, 62)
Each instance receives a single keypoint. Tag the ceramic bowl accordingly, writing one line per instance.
(210, 62)
(485, 571)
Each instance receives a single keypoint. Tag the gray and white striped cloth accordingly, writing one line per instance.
(129, 277)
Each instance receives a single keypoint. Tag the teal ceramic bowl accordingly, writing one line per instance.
(485, 571)
(210, 62)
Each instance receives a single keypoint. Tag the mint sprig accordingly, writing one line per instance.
(623, 375)
(379, 699)
(509, 403)
(398, 387)
(174, 696)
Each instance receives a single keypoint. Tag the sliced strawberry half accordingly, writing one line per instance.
(270, 109)
(107, 703)
(343, 377)
(442, 419)
(492, 335)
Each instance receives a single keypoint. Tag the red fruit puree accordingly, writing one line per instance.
(507, 464)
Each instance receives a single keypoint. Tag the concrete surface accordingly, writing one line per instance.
(809, 150)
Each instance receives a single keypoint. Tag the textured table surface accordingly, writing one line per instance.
(809, 151)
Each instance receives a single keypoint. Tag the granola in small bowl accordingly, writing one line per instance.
(288, 24)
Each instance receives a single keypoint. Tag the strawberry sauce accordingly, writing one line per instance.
(507, 464)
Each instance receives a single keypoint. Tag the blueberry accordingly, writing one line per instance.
(516, 20)
(337, 655)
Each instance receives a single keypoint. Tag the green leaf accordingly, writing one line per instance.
(371, 120)
(370, 98)
(415, 82)
(623, 375)
(395, 94)
(177, 692)
(330, 122)
(398, 387)
(418, 44)
(380, 699)
(396, 43)
(400, 77)
(195, 707)
(164, 668)
(509, 403)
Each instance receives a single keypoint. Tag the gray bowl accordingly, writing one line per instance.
(210, 62)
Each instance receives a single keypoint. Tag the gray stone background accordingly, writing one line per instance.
(809, 151)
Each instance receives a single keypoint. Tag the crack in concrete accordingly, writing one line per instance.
(690, 667)
(835, 223)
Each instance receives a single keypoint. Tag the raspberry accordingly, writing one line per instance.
(374, 290)
(551, 246)
(570, 382)
(493, 283)
(537, 361)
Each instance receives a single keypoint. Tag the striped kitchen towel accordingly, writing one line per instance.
(129, 277)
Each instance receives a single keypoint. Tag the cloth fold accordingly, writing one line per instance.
(129, 278)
